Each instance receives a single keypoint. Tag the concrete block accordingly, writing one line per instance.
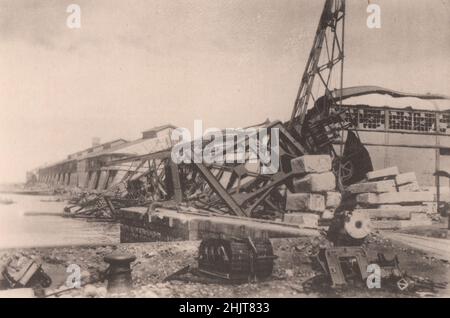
(375, 214)
(383, 173)
(333, 199)
(316, 182)
(419, 217)
(405, 178)
(409, 187)
(374, 187)
(398, 224)
(393, 197)
(304, 219)
(327, 215)
(411, 208)
(305, 202)
(311, 164)
(431, 207)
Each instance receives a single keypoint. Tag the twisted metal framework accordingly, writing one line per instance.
(238, 187)
(329, 34)
(234, 187)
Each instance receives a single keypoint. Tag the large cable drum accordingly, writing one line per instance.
(349, 228)
(236, 259)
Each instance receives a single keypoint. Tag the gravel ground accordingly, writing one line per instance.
(157, 260)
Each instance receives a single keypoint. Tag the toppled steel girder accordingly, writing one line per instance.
(236, 187)
(233, 187)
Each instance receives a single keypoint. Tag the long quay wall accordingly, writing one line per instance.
(136, 225)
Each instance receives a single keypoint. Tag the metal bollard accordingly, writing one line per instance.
(118, 273)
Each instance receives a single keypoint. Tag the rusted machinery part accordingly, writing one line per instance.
(236, 260)
(340, 263)
(26, 274)
(235, 188)
(348, 228)
(355, 162)
(119, 272)
(442, 173)
(357, 225)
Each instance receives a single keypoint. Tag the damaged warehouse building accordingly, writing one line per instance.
(88, 169)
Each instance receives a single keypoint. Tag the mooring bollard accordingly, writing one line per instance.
(119, 272)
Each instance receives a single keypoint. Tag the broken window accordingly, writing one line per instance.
(444, 123)
(365, 117)
(400, 120)
(412, 121)
(424, 122)
(371, 119)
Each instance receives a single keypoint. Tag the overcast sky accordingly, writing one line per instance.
(140, 63)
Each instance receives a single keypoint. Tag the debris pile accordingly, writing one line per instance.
(392, 200)
(292, 272)
(24, 272)
(103, 206)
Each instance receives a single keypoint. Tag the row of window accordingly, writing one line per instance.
(407, 120)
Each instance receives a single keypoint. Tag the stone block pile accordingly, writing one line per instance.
(393, 200)
(313, 196)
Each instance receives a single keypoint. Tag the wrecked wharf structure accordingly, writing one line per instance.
(385, 130)
(317, 160)
(326, 184)
(198, 200)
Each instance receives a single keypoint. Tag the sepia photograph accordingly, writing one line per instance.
(224, 153)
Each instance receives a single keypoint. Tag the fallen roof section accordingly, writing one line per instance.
(385, 97)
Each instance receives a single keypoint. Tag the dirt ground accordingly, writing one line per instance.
(292, 269)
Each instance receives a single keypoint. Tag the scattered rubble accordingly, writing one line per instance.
(292, 269)
(314, 188)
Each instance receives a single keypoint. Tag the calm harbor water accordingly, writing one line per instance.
(23, 225)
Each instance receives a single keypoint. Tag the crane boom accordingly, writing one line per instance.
(321, 64)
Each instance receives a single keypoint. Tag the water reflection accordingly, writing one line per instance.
(29, 222)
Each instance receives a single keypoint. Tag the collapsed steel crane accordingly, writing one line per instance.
(236, 188)
(331, 25)
(319, 127)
